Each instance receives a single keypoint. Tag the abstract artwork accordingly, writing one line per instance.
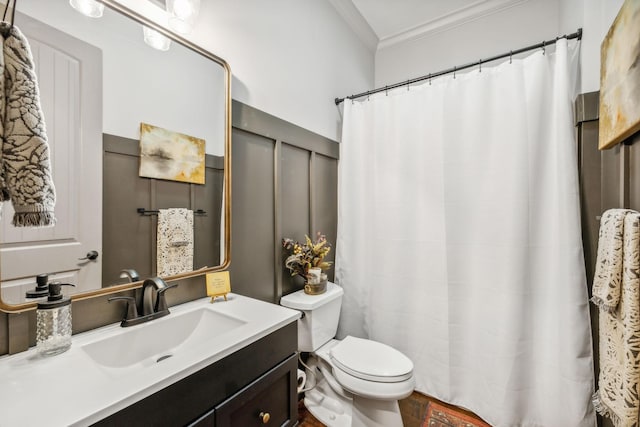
(620, 77)
(171, 155)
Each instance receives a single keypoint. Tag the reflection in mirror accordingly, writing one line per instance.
(98, 82)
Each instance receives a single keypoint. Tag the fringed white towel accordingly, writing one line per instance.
(616, 291)
(174, 241)
(25, 169)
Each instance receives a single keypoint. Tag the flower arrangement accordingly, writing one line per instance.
(302, 257)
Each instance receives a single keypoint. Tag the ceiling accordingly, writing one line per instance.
(382, 23)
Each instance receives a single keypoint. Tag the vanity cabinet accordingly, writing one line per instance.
(255, 385)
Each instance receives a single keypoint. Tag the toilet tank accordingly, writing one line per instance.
(320, 315)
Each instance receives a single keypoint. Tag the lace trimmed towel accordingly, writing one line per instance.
(25, 170)
(608, 274)
(616, 291)
(174, 241)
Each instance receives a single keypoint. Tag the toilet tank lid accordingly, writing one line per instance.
(300, 301)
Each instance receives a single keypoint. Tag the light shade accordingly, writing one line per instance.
(155, 39)
(183, 14)
(90, 8)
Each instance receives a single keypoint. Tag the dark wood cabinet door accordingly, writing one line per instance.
(268, 401)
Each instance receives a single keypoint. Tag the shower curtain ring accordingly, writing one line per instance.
(510, 56)
(429, 79)
(454, 72)
(408, 85)
(543, 46)
(386, 90)
(480, 65)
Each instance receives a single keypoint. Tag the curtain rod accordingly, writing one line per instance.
(576, 35)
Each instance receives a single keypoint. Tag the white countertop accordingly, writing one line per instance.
(72, 389)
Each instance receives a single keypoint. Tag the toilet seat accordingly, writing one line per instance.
(376, 390)
(373, 389)
(371, 360)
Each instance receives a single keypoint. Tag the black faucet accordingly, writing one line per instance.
(146, 298)
(146, 307)
(129, 274)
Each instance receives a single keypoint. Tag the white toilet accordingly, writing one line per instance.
(358, 382)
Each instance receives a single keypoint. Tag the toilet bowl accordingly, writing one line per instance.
(353, 381)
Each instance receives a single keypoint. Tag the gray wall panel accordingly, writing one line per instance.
(608, 179)
(325, 201)
(208, 198)
(126, 234)
(287, 176)
(611, 169)
(590, 192)
(252, 230)
(4, 333)
(295, 198)
(295, 201)
(634, 173)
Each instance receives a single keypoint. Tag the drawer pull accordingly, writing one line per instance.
(265, 417)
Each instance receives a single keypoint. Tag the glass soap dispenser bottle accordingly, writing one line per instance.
(53, 322)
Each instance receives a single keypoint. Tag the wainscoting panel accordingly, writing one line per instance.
(294, 203)
(284, 185)
(608, 179)
(325, 201)
(253, 215)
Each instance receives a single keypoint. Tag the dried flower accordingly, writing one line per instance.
(302, 257)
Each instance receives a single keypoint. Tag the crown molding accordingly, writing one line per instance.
(450, 20)
(356, 22)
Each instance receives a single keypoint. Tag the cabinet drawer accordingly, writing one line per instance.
(268, 401)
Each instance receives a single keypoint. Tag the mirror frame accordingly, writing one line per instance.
(112, 4)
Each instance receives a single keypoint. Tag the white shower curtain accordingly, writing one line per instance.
(459, 239)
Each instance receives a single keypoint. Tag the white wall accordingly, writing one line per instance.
(595, 17)
(290, 58)
(527, 23)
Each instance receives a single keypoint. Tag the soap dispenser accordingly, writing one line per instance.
(42, 287)
(53, 322)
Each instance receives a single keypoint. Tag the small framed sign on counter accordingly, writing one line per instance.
(218, 285)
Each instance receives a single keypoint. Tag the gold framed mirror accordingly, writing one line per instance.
(188, 93)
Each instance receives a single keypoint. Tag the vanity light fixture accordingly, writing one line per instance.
(90, 8)
(183, 14)
(155, 39)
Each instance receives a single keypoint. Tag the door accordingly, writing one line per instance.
(70, 82)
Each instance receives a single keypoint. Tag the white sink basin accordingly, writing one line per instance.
(157, 340)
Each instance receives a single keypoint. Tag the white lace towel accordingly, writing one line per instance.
(608, 274)
(619, 301)
(175, 241)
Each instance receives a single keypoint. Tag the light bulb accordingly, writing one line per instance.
(90, 8)
(183, 14)
(155, 39)
(183, 9)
